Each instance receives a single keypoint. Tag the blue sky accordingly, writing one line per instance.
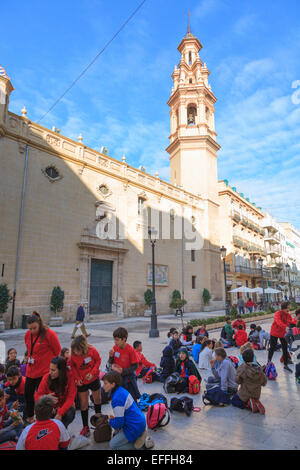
(251, 49)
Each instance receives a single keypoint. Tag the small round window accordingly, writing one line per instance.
(52, 172)
(103, 189)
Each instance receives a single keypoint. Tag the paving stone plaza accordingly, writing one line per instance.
(212, 428)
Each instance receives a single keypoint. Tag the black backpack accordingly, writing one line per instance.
(183, 404)
(171, 382)
(223, 333)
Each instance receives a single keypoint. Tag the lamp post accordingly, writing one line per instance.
(153, 333)
(223, 255)
(288, 268)
(261, 261)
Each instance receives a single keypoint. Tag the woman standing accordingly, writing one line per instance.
(85, 365)
(42, 345)
(282, 320)
(59, 383)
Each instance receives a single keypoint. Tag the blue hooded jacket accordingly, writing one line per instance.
(128, 416)
(80, 313)
(167, 363)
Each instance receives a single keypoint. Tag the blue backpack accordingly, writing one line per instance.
(216, 396)
(270, 371)
(144, 402)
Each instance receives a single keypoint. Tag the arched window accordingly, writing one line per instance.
(190, 58)
(191, 115)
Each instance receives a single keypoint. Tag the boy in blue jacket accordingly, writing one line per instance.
(128, 419)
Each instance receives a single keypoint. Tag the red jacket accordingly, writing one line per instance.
(42, 352)
(142, 363)
(280, 323)
(20, 390)
(240, 337)
(236, 323)
(87, 364)
(249, 303)
(65, 400)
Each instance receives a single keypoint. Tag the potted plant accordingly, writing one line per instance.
(148, 302)
(176, 301)
(206, 298)
(5, 298)
(57, 305)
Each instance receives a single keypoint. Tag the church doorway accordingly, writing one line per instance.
(101, 286)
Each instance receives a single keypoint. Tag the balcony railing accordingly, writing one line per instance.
(256, 272)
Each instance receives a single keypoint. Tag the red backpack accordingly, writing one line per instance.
(156, 414)
(194, 385)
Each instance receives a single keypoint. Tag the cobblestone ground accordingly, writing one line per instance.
(211, 428)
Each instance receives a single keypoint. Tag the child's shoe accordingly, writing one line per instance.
(149, 443)
(260, 407)
(253, 405)
(85, 431)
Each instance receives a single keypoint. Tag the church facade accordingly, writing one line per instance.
(76, 218)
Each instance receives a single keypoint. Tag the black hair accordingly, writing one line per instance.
(258, 328)
(120, 333)
(2, 368)
(136, 344)
(248, 355)
(199, 340)
(285, 305)
(172, 330)
(252, 326)
(63, 352)
(13, 371)
(58, 385)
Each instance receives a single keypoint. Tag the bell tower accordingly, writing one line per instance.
(193, 147)
(5, 91)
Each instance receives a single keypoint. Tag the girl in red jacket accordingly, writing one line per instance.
(85, 365)
(59, 383)
(240, 336)
(282, 320)
(42, 346)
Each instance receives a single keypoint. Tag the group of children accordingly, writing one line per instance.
(45, 386)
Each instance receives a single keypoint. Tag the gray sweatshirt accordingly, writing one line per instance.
(225, 371)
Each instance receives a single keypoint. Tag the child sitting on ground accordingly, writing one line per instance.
(129, 420)
(3, 377)
(205, 355)
(170, 334)
(202, 331)
(143, 364)
(123, 359)
(167, 363)
(11, 359)
(186, 367)
(253, 336)
(218, 344)
(238, 322)
(223, 371)
(15, 388)
(295, 348)
(11, 424)
(187, 337)
(264, 337)
(250, 378)
(45, 433)
(240, 336)
(244, 348)
(197, 348)
(175, 343)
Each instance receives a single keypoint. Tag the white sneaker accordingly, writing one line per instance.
(149, 443)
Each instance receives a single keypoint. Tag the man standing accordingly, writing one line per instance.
(80, 322)
(241, 305)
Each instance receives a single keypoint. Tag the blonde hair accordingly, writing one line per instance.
(218, 344)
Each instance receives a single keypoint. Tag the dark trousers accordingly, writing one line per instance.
(273, 344)
(129, 382)
(31, 385)
(69, 416)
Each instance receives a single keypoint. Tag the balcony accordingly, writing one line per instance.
(272, 238)
(255, 272)
(236, 216)
(270, 224)
(273, 251)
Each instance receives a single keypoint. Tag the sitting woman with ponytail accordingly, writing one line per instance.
(59, 383)
(42, 345)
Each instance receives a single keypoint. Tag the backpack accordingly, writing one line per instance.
(223, 333)
(143, 403)
(215, 396)
(156, 414)
(171, 382)
(148, 377)
(183, 404)
(158, 398)
(235, 361)
(102, 432)
(270, 371)
(194, 385)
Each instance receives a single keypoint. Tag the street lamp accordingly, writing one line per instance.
(260, 262)
(153, 333)
(223, 255)
(288, 268)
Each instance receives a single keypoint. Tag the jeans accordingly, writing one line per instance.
(236, 401)
(12, 433)
(31, 385)
(273, 344)
(241, 310)
(120, 442)
(69, 416)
